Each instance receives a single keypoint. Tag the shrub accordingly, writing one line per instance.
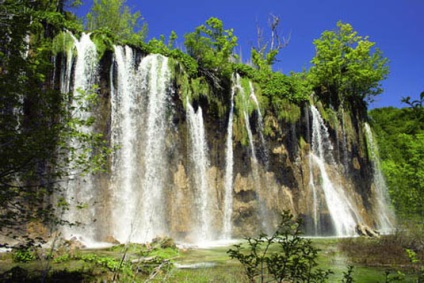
(23, 254)
(282, 257)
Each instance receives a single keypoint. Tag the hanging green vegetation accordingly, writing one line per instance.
(288, 111)
(199, 87)
(243, 108)
(62, 43)
(190, 87)
(243, 101)
(271, 125)
(181, 79)
(103, 40)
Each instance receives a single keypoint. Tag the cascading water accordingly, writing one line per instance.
(156, 83)
(163, 183)
(80, 192)
(342, 212)
(263, 214)
(228, 178)
(138, 128)
(315, 200)
(311, 184)
(260, 125)
(126, 120)
(246, 119)
(384, 215)
(199, 157)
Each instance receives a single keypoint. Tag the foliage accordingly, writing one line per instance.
(36, 122)
(63, 43)
(406, 176)
(103, 38)
(62, 258)
(212, 46)
(284, 93)
(417, 108)
(347, 69)
(284, 256)
(23, 254)
(400, 139)
(117, 17)
(189, 64)
(243, 108)
(109, 263)
(418, 103)
(347, 276)
(418, 266)
(265, 54)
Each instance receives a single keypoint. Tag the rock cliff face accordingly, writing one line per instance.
(168, 173)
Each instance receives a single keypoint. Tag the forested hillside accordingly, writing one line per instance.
(400, 135)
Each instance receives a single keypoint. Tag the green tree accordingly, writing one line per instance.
(406, 177)
(212, 47)
(347, 68)
(417, 108)
(35, 123)
(117, 18)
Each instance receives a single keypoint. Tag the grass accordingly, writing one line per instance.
(371, 258)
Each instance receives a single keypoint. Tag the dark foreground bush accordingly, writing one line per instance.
(283, 257)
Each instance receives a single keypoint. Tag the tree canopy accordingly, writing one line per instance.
(347, 68)
(212, 46)
(36, 121)
(117, 18)
(400, 136)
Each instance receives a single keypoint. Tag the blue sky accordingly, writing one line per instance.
(397, 27)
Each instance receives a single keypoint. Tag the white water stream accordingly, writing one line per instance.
(228, 178)
(342, 211)
(80, 194)
(264, 148)
(126, 181)
(138, 129)
(200, 161)
(384, 214)
(139, 198)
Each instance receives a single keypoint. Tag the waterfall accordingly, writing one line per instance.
(246, 119)
(342, 212)
(199, 157)
(138, 129)
(228, 178)
(311, 185)
(185, 185)
(315, 199)
(250, 136)
(155, 82)
(384, 215)
(80, 194)
(260, 126)
(125, 123)
(262, 210)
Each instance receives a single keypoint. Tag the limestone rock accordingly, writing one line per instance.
(365, 230)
